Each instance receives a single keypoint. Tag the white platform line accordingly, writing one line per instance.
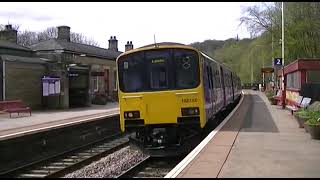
(177, 170)
(57, 126)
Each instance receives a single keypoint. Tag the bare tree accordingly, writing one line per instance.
(260, 19)
(14, 27)
(27, 38)
(52, 32)
(47, 34)
(80, 38)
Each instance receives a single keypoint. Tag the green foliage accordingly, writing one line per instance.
(301, 27)
(314, 119)
(269, 94)
(247, 56)
(304, 113)
(308, 114)
(208, 46)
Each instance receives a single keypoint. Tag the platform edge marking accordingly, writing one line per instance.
(180, 167)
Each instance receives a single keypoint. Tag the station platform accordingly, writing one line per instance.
(256, 140)
(17, 125)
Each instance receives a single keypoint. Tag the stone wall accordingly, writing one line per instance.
(23, 81)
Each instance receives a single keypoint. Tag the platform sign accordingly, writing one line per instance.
(277, 62)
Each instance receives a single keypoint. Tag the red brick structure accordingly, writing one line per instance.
(302, 78)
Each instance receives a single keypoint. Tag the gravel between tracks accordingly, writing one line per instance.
(110, 166)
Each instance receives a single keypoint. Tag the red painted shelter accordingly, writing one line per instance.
(302, 78)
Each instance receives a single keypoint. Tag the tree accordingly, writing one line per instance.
(301, 26)
(14, 27)
(27, 38)
(52, 32)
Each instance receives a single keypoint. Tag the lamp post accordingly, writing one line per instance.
(257, 45)
(282, 44)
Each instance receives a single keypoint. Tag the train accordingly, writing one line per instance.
(169, 91)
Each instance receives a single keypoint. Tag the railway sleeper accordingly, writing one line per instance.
(32, 175)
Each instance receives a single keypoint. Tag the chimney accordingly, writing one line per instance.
(128, 46)
(9, 34)
(113, 43)
(64, 33)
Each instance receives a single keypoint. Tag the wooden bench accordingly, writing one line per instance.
(300, 103)
(278, 96)
(15, 106)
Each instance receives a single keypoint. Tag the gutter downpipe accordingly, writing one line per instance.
(3, 80)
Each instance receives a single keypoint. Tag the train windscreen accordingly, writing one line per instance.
(163, 69)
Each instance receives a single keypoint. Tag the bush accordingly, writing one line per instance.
(269, 94)
(313, 122)
(315, 106)
(303, 113)
(313, 118)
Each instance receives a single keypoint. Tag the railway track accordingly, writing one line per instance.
(159, 167)
(151, 167)
(70, 161)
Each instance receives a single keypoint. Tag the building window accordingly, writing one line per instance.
(115, 80)
(95, 84)
(313, 76)
(293, 80)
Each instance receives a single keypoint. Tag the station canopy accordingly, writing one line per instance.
(267, 70)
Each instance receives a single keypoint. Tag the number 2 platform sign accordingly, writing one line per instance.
(277, 62)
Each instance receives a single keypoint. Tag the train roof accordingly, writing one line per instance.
(162, 44)
(216, 61)
(159, 45)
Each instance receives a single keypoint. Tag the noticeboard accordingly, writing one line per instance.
(50, 86)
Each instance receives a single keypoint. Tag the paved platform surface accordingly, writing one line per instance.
(51, 117)
(260, 140)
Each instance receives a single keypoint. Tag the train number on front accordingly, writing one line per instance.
(189, 100)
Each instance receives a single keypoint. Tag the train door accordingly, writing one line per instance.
(223, 85)
(207, 90)
(213, 86)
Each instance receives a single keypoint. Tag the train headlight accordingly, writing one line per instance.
(190, 111)
(131, 114)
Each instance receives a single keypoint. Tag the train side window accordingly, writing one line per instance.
(217, 77)
(210, 75)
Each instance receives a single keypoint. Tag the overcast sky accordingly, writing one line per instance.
(182, 22)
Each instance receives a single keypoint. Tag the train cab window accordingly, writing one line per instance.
(158, 69)
(158, 77)
(186, 68)
(131, 73)
(161, 69)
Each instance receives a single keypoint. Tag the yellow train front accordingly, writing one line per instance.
(161, 96)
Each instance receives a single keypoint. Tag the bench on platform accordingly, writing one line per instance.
(299, 103)
(14, 106)
(278, 96)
